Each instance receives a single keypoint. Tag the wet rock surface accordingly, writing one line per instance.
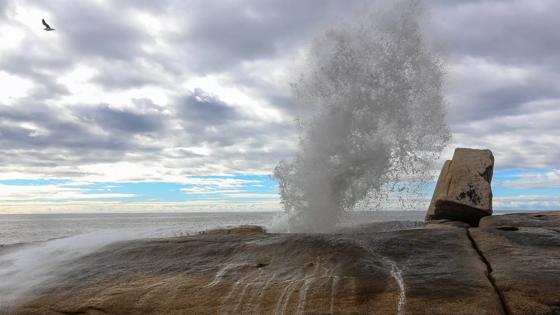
(525, 267)
(256, 273)
(463, 191)
(523, 252)
(547, 219)
(505, 269)
(445, 224)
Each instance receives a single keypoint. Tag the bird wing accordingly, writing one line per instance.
(45, 23)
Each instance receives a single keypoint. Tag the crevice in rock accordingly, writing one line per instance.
(81, 311)
(489, 273)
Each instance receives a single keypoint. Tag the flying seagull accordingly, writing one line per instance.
(47, 26)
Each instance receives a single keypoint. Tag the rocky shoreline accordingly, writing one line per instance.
(508, 265)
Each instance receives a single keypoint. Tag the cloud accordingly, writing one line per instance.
(527, 202)
(252, 196)
(36, 126)
(202, 110)
(122, 120)
(502, 82)
(221, 36)
(511, 32)
(534, 180)
(479, 89)
(50, 193)
(208, 190)
(95, 30)
(171, 89)
(122, 75)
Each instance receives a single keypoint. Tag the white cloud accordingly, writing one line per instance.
(13, 87)
(252, 196)
(527, 202)
(43, 193)
(533, 180)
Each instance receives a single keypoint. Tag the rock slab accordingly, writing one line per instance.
(418, 271)
(511, 266)
(463, 191)
(525, 267)
(545, 219)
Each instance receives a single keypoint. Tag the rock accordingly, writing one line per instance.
(463, 191)
(525, 266)
(445, 224)
(416, 271)
(507, 228)
(550, 219)
(241, 230)
(506, 269)
(385, 226)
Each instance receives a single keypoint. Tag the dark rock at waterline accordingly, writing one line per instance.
(385, 226)
(463, 191)
(445, 224)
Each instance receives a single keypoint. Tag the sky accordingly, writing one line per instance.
(186, 105)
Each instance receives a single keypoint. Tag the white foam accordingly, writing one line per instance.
(334, 283)
(396, 273)
(221, 274)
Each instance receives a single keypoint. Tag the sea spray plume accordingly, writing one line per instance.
(378, 119)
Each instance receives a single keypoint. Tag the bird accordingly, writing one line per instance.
(47, 26)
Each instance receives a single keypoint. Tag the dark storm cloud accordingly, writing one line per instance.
(36, 130)
(123, 80)
(207, 119)
(49, 130)
(127, 121)
(502, 101)
(3, 6)
(221, 35)
(202, 110)
(42, 136)
(507, 87)
(513, 32)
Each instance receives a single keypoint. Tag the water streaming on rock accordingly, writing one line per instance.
(376, 121)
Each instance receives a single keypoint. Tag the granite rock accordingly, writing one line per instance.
(463, 191)
(525, 267)
(417, 271)
(512, 267)
(547, 219)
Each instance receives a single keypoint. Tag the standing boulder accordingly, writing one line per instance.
(463, 191)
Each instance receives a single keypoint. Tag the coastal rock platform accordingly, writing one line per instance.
(501, 269)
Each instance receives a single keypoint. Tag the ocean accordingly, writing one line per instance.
(29, 228)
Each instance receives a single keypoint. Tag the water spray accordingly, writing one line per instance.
(377, 122)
